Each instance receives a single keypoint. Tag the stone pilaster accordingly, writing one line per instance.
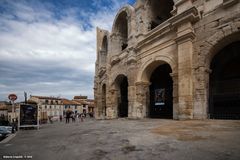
(131, 62)
(114, 43)
(185, 72)
(185, 36)
(112, 104)
(201, 92)
(175, 95)
(141, 19)
(131, 100)
(141, 107)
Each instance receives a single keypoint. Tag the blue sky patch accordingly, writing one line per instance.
(48, 47)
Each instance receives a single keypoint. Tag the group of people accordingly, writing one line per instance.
(71, 115)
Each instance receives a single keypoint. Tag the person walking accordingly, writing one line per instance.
(81, 117)
(73, 118)
(67, 116)
(50, 119)
(61, 118)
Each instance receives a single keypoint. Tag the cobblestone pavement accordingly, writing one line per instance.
(122, 139)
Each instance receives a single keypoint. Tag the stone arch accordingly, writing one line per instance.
(104, 46)
(147, 68)
(216, 42)
(104, 98)
(117, 80)
(102, 35)
(103, 51)
(143, 83)
(115, 77)
(121, 95)
(208, 49)
(224, 83)
(122, 28)
(128, 9)
(158, 11)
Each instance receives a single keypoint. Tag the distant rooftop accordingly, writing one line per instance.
(70, 102)
(80, 97)
(45, 97)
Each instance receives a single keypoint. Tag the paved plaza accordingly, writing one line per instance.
(123, 139)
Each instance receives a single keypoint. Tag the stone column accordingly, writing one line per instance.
(95, 98)
(132, 70)
(131, 99)
(175, 95)
(114, 43)
(141, 107)
(201, 92)
(186, 15)
(184, 39)
(141, 20)
(131, 30)
(112, 104)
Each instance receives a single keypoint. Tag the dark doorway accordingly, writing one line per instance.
(161, 101)
(123, 100)
(224, 93)
(160, 11)
(121, 28)
(104, 106)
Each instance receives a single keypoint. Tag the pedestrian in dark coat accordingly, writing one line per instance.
(68, 114)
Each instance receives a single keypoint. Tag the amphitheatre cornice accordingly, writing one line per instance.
(190, 15)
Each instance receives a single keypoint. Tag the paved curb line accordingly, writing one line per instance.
(8, 138)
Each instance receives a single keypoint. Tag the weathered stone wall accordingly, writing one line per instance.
(218, 27)
(187, 41)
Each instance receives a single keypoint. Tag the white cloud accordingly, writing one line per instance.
(38, 38)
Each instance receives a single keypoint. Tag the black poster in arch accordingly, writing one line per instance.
(161, 88)
(28, 114)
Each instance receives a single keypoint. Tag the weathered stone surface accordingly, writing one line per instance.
(187, 40)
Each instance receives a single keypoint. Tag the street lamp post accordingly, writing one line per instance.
(12, 98)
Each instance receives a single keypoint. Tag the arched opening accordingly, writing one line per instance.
(121, 29)
(224, 85)
(160, 11)
(122, 83)
(104, 44)
(161, 89)
(104, 105)
(104, 51)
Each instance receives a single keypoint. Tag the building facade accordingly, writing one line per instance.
(51, 105)
(73, 106)
(91, 106)
(86, 105)
(175, 59)
(8, 112)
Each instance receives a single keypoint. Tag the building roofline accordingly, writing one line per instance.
(46, 97)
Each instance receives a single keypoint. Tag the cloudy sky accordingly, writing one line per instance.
(48, 47)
